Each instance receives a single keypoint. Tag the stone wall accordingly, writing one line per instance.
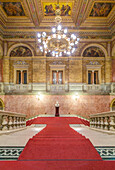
(75, 70)
(39, 66)
(1, 70)
(39, 70)
(113, 70)
(31, 106)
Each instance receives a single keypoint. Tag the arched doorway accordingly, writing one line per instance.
(1, 104)
(112, 105)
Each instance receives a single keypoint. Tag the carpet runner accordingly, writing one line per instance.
(57, 141)
(58, 147)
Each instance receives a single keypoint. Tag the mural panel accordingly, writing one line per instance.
(93, 52)
(101, 9)
(49, 9)
(13, 8)
(20, 51)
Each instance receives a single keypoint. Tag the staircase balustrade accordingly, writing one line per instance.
(11, 120)
(104, 121)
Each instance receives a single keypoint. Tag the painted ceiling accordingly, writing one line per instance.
(101, 9)
(50, 8)
(13, 8)
(77, 14)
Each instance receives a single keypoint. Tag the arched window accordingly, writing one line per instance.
(1, 104)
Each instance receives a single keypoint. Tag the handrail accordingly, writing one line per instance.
(104, 121)
(11, 120)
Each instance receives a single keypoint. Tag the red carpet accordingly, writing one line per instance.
(60, 147)
(57, 165)
(47, 120)
(59, 142)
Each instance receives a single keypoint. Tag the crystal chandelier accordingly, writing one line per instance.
(58, 43)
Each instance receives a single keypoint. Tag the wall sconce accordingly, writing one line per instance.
(39, 96)
(76, 96)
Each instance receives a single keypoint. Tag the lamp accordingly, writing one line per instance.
(76, 96)
(39, 96)
(59, 42)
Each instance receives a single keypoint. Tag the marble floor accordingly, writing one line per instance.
(97, 138)
(20, 138)
(12, 144)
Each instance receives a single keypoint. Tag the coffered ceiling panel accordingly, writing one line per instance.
(101, 9)
(79, 15)
(13, 8)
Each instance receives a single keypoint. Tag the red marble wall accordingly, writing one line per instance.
(84, 106)
(113, 70)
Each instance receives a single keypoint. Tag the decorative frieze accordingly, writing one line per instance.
(20, 62)
(93, 63)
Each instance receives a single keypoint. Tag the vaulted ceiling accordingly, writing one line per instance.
(81, 16)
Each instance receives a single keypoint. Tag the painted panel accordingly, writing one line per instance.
(101, 9)
(50, 8)
(13, 8)
(93, 52)
(20, 51)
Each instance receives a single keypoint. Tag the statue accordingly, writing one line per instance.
(57, 104)
(57, 109)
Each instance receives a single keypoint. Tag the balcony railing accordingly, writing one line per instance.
(97, 88)
(103, 121)
(1, 88)
(11, 120)
(16, 88)
(58, 88)
(113, 88)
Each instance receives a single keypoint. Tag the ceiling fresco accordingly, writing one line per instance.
(49, 9)
(13, 8)
(101, 9)
(92, 18)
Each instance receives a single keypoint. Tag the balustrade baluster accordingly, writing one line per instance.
(10, 123)
(96, 122)
(106, 123)
(15, 122)
(101, 123)
(4, 122)
(112, 123)
(91, 122)
(13, 125)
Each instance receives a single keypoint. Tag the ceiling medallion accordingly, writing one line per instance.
(59, 42)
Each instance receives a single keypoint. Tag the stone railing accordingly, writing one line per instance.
(23, 88)
(1, 88)
(58, 88)
(113, 88)
(104, 121)
(16, 88)
(97, 88)
(11, 120)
